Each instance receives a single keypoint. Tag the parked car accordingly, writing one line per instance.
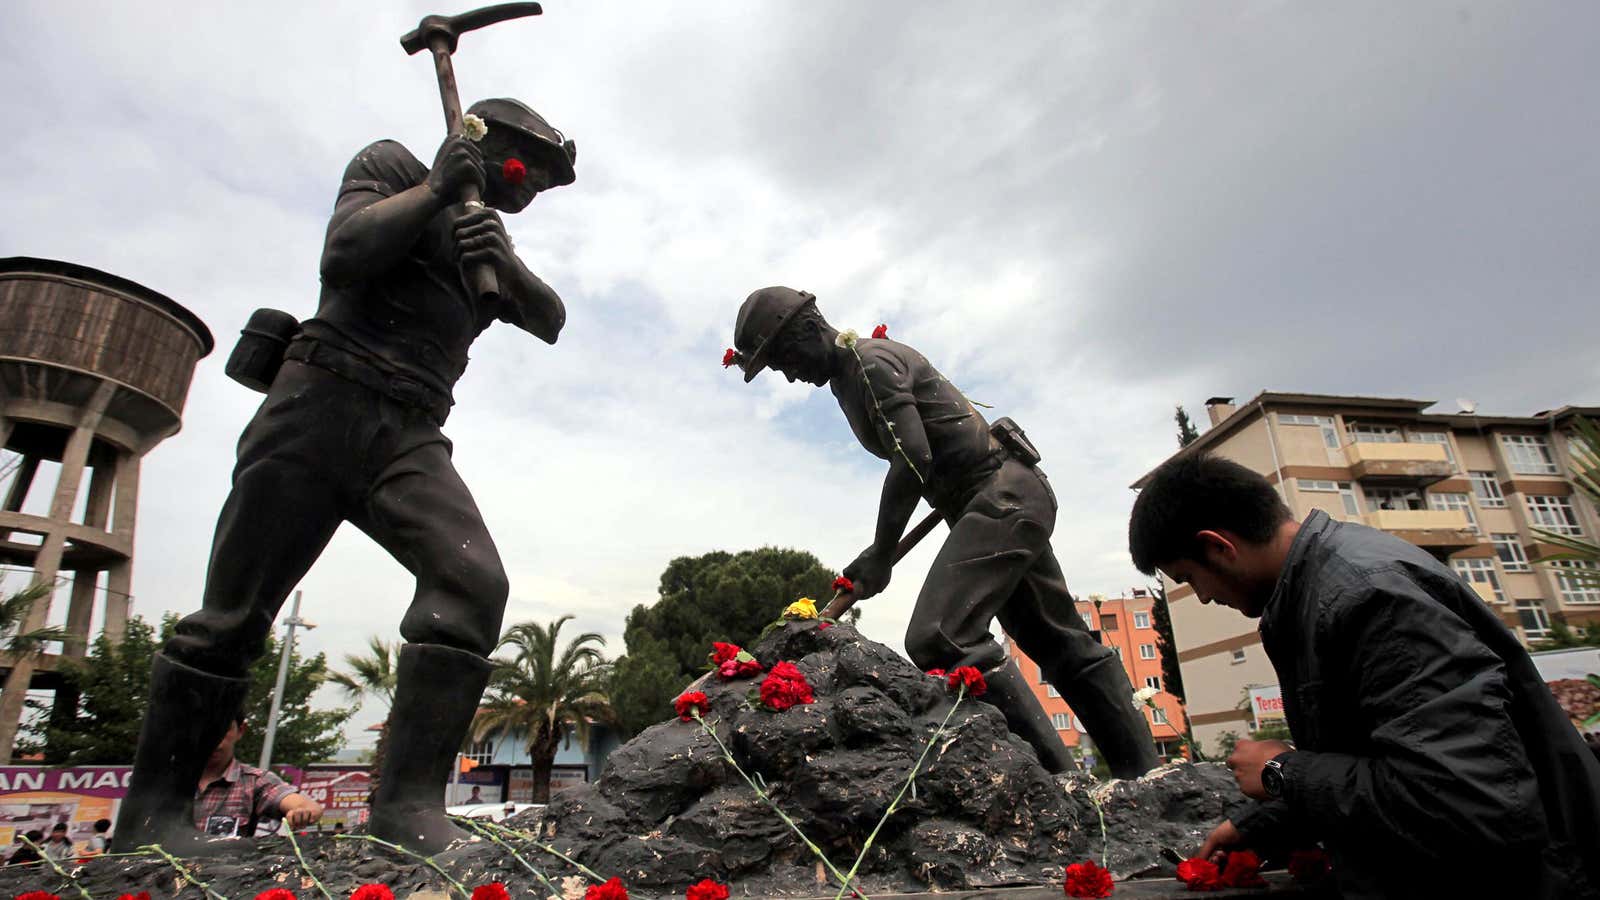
(494, 812)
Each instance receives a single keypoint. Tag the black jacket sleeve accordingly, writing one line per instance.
(1440, 763)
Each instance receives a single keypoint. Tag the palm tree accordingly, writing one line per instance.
(371, 676)
(14, 617)
(1585, 450)
(541, 695)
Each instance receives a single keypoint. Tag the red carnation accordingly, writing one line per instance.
(706, 890)
(881, 332)
(1243, 869)
(730, 357)
(36, 895)
(1199, 874)
(1308, 866)
(936, 673)
(276, 894)
(785, 686)
(843, 585)
(494, 890)
(142, 895)
(969, 676)
(370, 892)
(735, 668)
(686, 704)
(514, 171)
(822, 625)
(611, 890)
(1086, 879)
(721, 652)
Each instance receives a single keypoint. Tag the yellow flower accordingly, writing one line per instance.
(804, 608)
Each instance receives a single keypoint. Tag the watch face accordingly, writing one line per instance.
(1272, 778)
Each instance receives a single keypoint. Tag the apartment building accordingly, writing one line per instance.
(1467, 488)
(1125, 625)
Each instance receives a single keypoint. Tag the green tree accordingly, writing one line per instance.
(542, 695)
(373, 675)
(1565, 637)
(1166, 644)
(14, 618)
(719, 596)
(1584, 448)
(112, 685)
(1186, 430)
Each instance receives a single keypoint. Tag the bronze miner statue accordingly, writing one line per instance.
(350, 432)
(997, 561)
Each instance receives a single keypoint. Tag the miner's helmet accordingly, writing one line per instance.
(558, 152)
(762, 316)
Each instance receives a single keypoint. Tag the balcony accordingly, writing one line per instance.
(1408, 464)
(1436, 530)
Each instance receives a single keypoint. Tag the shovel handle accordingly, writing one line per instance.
(842, 602)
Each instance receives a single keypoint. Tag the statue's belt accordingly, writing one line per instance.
(402, 389)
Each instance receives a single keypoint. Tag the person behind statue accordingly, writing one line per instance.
(98, 841)
(59, 845)
(25, 853)
(1428, 755)
(233, 797)
(350, 432)
(997, 561)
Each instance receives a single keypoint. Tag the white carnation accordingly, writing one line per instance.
(473, 128)
(847, 338)
(1145, 695)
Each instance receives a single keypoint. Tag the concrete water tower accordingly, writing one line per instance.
(94, 370)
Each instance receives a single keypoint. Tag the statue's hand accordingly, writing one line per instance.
(870, 573)
(481, 238)
(458, 163)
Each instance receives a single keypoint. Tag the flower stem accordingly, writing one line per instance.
(893, 804)
(1105, 848)
(411, 853)
(884, 416)
(810, 845)
(289, 832)
(532, 839)
(474, 826)
(183, 871)
(50, 861)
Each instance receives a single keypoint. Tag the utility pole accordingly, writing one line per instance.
(289, 625)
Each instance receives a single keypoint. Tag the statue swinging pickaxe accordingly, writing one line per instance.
(438, 34)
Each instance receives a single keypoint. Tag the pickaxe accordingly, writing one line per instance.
(842, 600)
(439, 35)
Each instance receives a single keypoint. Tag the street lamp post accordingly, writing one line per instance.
(290, 624)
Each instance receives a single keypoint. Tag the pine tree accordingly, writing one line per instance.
(1186, 430)
(1166, 645)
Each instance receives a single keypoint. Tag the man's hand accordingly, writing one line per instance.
(1222, 838)
(1247, 760)
(481, 238)
(458, 163)
(300, 811)
(870, 573)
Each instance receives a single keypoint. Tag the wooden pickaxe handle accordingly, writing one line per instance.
(841, 603)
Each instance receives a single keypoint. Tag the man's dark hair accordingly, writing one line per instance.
(59, 826)
(1200, 492)
(101, 826)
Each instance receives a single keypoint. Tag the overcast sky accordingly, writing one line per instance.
(1083, 214)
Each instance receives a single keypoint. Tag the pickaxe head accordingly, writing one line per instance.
(450, 28)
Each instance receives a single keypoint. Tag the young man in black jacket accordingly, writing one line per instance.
(1429, 756)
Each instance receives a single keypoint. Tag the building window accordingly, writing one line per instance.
(1330, 434)
(481, 752)
(1529, 454)
(1117, 651)
(1454, 502)
(1552, 514)
(1581, 585)
(1061, 722)
(1393, 498)
(1158, 715)
(1108, 621)
(1479, 570)
(1533, 618)
(1509, 548)
(1051, 690)
(1153, 681)
(1238, 656)
(1436, 437)
(1345, 490)
(1367, 433)
(1487, 488)
(1141, 620)
(1042, 679)
(1147, 651)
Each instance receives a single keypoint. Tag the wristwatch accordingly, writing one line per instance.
(1272, 780)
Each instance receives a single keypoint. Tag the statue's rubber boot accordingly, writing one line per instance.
(437, 691)
(1009, 691)
(189, 713)
(1100, 695)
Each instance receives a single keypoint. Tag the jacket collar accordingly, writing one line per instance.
(1314, 526)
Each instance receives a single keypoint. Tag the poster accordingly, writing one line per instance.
(37, 798)
(342, 793)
